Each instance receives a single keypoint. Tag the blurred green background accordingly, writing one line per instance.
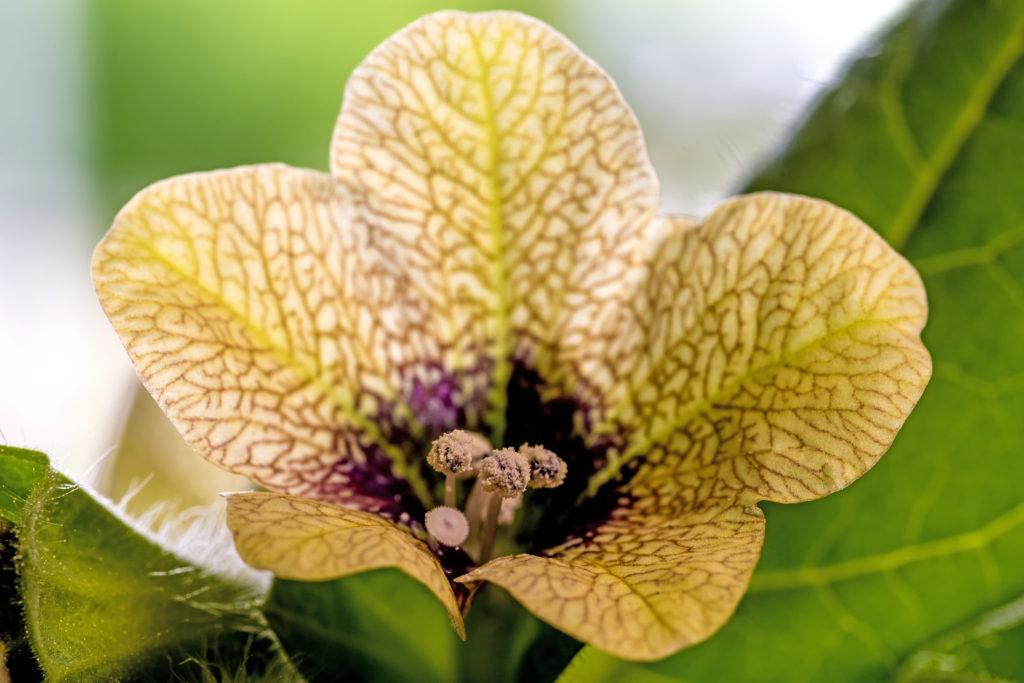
(103, 97)
(195, 85)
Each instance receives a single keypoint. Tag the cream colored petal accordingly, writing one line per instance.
(640, 586)
(773, 354)
(248, 303)
(309, 540)
(507, 181)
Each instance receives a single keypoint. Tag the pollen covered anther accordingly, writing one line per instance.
(547, 470)
(457, 454)
(505, 472)
(447, 525)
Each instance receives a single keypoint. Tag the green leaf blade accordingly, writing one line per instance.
(383, 626)
(359, 626)
(880, 144)
(986, 649)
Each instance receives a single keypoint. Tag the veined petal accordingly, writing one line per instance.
(640, 586)
(310, 540)
(506, 178)
(249, 305)
(773, 354)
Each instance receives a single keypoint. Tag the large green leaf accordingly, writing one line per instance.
(924, 139)
(990, 648)
(352, 629)
(102, 602)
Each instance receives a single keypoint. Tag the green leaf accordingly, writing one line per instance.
(358, 628)
(923, 138)
(102, 602)
(986, 649)
(20, 471)
(904, 121)
(383, 626)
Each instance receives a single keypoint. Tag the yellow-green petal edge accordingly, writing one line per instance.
(310, 540)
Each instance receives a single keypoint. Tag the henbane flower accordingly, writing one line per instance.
(485, 272)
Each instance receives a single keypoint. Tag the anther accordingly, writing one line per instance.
(447, 525)
(547, 470)
(456, 453)
(505, 473)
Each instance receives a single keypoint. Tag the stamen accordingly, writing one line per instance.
(457, 451)
(505, 474)
(490, 527)
(455, 454)
(447, 525)
(498, 493)
(547, 470)
(509, 506)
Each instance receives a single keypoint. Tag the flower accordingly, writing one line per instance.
(486, 256)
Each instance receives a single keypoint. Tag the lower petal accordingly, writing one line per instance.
(310, 540)
(639, 587)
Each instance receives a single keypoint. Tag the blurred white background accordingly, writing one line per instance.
(714, 84)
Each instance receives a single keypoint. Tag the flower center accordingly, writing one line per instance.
(502, 475)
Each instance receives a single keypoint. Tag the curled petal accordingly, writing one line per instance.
(246, 300)
(309, 540)
(639, 586)
(507, 179)
(773, 354)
